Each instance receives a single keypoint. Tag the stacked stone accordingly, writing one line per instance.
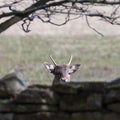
(68, 101)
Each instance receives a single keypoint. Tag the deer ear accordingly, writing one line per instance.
(49, 67)
(74, 68)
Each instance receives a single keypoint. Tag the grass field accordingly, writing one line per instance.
(99, 57)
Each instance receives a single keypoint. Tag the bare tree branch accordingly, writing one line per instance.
(64, 10)
(93, 28)
(5, 25)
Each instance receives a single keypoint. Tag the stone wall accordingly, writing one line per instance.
(70, 101)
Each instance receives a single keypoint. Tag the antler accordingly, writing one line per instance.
(53, 61)
(70, 60)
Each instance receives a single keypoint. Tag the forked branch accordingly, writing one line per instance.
(64, 10)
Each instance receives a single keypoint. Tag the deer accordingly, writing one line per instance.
(63, 72)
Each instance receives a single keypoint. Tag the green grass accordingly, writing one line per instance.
(99, 57)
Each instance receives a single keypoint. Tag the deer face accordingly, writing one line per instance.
(61, 72)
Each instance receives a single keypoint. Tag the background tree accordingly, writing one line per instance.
(57, 12)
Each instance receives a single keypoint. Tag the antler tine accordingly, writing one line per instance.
(53, 61)
(70, 60)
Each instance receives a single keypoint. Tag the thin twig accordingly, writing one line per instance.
(92, 27)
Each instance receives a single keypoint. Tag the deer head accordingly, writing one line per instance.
(61, 72)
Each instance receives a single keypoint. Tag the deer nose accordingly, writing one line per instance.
(63, 80)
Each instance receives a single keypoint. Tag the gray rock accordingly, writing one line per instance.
(12, 84)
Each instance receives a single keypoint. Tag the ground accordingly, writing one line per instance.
(73, 28)
(99, 56)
